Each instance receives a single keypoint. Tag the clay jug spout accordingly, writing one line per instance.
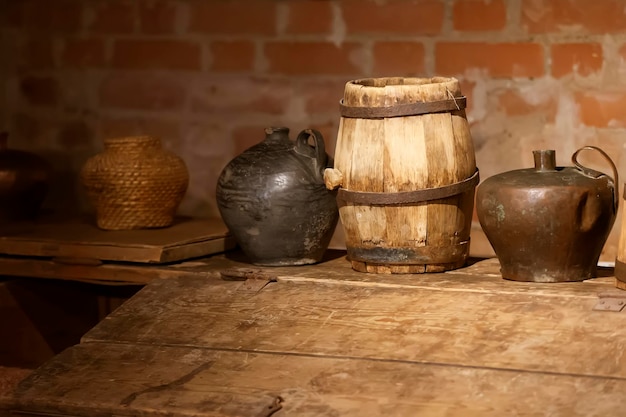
(545, 160)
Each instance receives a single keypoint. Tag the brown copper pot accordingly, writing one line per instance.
(548, 223)
(24, 180)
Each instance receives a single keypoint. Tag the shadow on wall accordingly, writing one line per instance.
(65, 194)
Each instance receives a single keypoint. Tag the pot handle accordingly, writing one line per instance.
(595, 174)
(303, 148)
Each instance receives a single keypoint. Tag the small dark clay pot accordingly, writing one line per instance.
(273, 199)
(548, 223)
(24, 181)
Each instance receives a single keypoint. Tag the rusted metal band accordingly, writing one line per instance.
(407, 109)
(407, 197)
(620, 270)
(424, 255)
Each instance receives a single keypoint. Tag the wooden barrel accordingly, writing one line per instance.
(406, 169)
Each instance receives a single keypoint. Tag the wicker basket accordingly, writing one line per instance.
(135, 184)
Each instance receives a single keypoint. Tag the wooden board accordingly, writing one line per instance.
(9, 379)
(97, 379)
(334, 342)
(335, 268)
(102, 274)
(79, 239)
(478, 275)
(449, 320)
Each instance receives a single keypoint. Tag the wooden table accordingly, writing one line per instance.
(43, 308)
(324, 340)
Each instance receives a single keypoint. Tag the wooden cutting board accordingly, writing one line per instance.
(79, 239)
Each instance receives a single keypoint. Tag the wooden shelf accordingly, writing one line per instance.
(82, 242)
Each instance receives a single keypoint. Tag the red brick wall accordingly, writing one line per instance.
(208, 76)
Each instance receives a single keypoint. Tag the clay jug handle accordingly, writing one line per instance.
(303, 148)
(595, 174)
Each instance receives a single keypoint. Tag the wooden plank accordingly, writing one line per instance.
(9, 378)
(448, 321)
(479, 276)
(104, 274)
(186, 238)
(107, 379)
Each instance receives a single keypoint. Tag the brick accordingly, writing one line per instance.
(499, 59)
(157, 16)
(65, 16)
(602, 109)
(581, 58)
(245, 137)
(36, 53)
(28, 129)
(12, 13)
(208, 140)
(597, 16)
(612, 142)
(309, 16)
(421, 17)
(83, 53)
(329, 132)
(113, 16)
(322, 96)
(622, 52)
(167, 130)
(479, 15)
(232, 56)
(398, 58)
(143, 92)
(299, 58)
(40, 91)
(513, 103)
(242, 95)
(467, 89)
(156, 54)
(233, 17)
(74, 135)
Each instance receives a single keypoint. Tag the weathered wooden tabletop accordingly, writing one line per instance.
(324, 340)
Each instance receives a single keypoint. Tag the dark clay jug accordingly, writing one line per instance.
(548, 223)
(273, 199)
(24, 181)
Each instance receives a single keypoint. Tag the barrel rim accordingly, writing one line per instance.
(382, 82)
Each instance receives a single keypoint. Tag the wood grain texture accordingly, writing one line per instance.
(186, 238)
(463, 320)
(399, 154)
(9, 379)
(98, 379)
(480, 275)
(329, 341)
(103, 274)
(620, 278)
